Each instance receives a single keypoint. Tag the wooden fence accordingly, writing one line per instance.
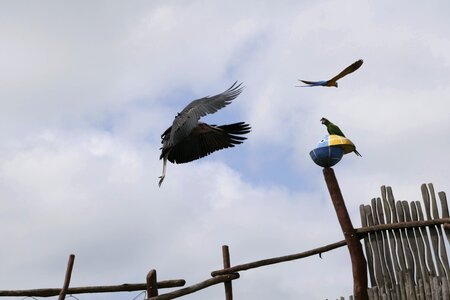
(406, 256)
(408, 263)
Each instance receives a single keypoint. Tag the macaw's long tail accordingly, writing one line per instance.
(357, 153)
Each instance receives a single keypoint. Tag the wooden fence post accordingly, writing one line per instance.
(227, 264)
(152, 284)
(62, 294)
(359, 266)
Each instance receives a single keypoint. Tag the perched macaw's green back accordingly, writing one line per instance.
(333, 129)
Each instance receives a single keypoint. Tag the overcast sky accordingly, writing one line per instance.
(87, 88)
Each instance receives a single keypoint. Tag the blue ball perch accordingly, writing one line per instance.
(330, 150)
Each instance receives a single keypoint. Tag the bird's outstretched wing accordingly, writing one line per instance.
(188, 118)
(210, 104)
(350, 69)
(205, 139)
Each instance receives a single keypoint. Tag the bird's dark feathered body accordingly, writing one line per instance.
(334, 129)
(333, 81)
(188, 139)
(204, 140)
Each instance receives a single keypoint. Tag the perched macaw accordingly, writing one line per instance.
(333, 129)
(333, 81)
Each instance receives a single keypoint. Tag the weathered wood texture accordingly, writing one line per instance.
(196, 287)
(62, 294)
(126, 287)
(409, 262)
(279, 259)
(359, 266)
(152, 284)
(227, 264)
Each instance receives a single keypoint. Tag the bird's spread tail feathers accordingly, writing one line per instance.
(235, 130)
(206, 139)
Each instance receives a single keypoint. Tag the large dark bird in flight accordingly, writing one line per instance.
(334, 129)
(188, 139)
(333, 81)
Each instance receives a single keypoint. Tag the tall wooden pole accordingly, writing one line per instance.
(359, 265)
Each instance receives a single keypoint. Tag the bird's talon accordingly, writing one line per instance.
(161, 179)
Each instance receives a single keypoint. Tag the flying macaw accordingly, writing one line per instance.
(333, 81)
(333, 129)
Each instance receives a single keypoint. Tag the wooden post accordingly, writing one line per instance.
(62, 294)
(359, 266)
(227, 264)
(152, 285)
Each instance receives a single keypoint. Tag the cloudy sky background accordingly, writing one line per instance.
(87, 88)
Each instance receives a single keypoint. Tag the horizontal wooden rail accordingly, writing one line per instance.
(275, 260)
(196, 287)
(49, 292)
(126, 287)
(401, 225)
(360, 231)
